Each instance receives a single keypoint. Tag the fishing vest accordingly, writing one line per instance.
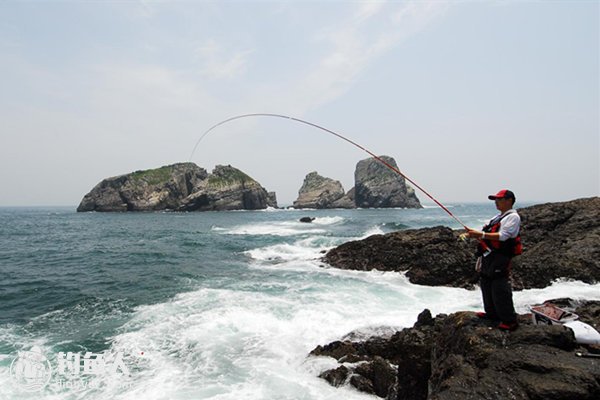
(510, 247)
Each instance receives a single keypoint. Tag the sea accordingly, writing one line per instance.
(204, 305)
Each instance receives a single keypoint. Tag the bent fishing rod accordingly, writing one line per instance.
(388, 165)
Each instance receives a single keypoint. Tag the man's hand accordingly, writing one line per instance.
(475, 234)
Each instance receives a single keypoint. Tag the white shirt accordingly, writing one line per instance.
(509, 226)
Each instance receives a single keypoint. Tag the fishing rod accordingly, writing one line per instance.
(388, 165)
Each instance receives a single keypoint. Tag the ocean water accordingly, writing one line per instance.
(213, 305)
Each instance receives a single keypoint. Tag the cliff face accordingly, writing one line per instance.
(183, 187)
(560, 240)
(378, 186)
(318, 192)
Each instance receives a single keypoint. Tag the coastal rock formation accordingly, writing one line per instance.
(227, 188)
(272, 199)
(182, 187)
(561, 240)
(347, 201)
(378, 186)
(318, 192)
(460, 357)
(154, 189)
(430, 256)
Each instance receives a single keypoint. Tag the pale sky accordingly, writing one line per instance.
(468, 97)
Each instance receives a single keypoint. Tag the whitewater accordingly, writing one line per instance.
(212, 305)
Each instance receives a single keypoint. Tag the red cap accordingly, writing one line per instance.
(503, 194)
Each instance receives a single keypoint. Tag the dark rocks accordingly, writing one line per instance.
(336, 377)
(561, 240)
(378, 186)
(377, 375)
(460, 357)
(431, 256)
(182, 187)
(470, 361)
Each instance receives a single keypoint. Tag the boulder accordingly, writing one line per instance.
(560, 240)
(378, 186)
(318, 192)
(182, 187)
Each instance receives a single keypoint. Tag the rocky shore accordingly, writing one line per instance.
(561, 240)
(460, 356)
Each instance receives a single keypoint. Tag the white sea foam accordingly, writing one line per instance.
(376, 230)
(328, 220)
(274, 229)
(305, 249)
(242, 340)
(282, 228)
(223, 343)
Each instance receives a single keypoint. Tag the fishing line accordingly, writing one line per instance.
(396, 170)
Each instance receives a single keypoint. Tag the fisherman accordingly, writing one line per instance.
(499, 242)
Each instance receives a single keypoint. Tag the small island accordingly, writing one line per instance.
(179, 187)
(188, 187)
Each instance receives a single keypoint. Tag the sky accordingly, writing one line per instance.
(468, 97)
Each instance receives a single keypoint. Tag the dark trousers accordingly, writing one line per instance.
(496, 289)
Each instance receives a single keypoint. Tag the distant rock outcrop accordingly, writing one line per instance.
(561, 240)
(227, 188)
(318, 192)
(181, 187)
(377, 186)
(347, 201)
(272, 199)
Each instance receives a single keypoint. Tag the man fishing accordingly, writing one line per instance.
(499, 241)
